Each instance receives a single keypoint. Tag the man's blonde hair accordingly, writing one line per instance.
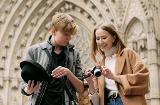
(64, 22)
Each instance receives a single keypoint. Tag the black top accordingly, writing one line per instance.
(54, 94)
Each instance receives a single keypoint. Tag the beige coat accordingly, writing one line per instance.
(133, 75)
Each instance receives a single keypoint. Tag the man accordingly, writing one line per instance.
(66, 59)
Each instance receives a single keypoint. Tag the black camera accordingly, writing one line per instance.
(96, 70)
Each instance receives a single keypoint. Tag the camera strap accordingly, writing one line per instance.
(61, 79)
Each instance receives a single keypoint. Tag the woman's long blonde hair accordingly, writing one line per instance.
(118, 43)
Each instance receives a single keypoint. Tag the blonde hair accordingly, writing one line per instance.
(118, 43)
(64, 22)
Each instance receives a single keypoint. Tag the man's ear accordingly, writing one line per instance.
(53, 31)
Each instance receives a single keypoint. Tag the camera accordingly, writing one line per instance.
(96, 70)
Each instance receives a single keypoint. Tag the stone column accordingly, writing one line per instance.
(152, 58)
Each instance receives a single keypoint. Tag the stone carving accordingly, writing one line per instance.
(2, 18)
(17, 22)
(23, 12)
(23, 42)
(13, 1)
(28, 31)
(2, 63)
(42, 36)
(19, 53)
(11, 32)
(42, 11)
(8, 8)
(8, 43)
(34, 21)
(49, 3)
(14, 82)
(83, 46)
(4, 53)
(1, 80)
(14, 101)
(1, 101)
(29, 3)
(48, 25)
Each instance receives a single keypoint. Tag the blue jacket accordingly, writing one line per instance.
(38, 54)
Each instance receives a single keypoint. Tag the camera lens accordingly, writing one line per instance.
(96, 71)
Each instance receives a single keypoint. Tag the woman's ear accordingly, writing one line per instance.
(114, 37)
(53, 31)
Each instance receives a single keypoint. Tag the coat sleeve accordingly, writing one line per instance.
(29, 56)
(94, 98)
(78, 68)
(137, 82)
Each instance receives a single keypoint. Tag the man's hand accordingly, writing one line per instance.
(32, 86)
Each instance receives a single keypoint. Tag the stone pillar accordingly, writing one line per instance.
(152, 58)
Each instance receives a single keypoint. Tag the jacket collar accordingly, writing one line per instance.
(120, 60)
(49, 46)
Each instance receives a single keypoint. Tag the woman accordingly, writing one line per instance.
(124, 79)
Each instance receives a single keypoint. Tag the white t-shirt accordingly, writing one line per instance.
(110, 64)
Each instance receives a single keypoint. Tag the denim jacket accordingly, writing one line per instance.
(73, 63)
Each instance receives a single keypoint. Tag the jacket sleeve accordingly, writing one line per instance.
(137, 82)
(29, 56)
(77, 63)
(94, 98)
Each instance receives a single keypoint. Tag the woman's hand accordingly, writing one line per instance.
(107, 73)
(60, 72)
(32, 86)
(89, 79)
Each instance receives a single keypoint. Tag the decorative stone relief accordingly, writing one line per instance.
(14, 101)
(82, 42)
(16, 64)
(19, 53)
(49, 3)
(4, 53)
(2, 64)
(42, 11)
(23, 12)
(2, 18)
(8, 8)
(158, 52)
(48, 25)
(1, 101)
(138, 40)
(29, 3)
(144, 57)
(8, 43)
(1, 80)
(34, 21)
(42, 36)
(17, 22)
(13, 1)
(24, 41)
(14, 81)
(11, 32)
(28, 31)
